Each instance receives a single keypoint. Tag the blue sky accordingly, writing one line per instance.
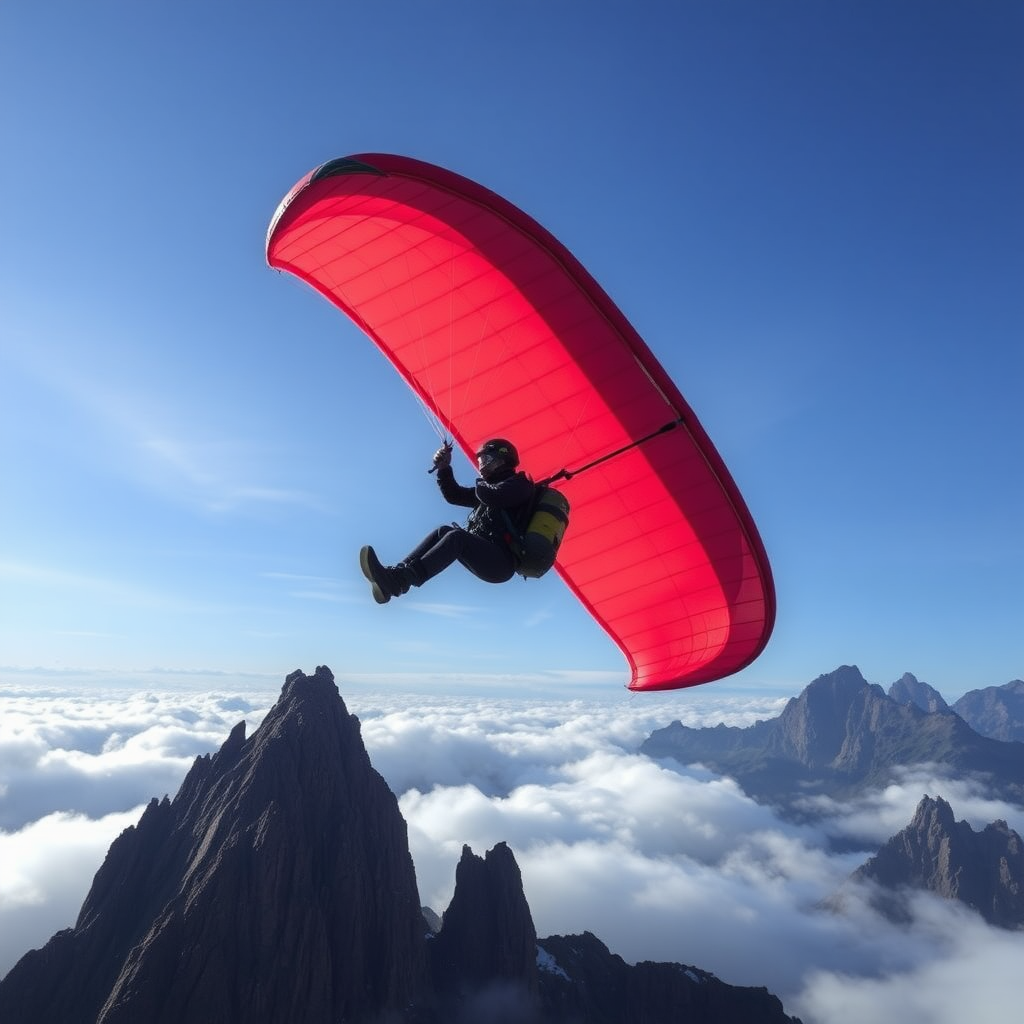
(811, 212)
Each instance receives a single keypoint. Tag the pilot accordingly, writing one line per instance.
(501, 500)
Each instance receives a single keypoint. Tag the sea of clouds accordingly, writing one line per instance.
(659, 860)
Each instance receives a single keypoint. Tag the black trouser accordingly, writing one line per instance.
(490, 560)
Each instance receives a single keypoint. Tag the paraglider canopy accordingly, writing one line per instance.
(501, 332)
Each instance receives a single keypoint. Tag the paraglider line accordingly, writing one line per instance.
(568, 474)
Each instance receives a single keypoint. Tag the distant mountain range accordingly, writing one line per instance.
(841, 736)
(995, 711)
(277, 888)
(984, 870)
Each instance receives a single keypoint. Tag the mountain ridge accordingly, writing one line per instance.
(839, 737)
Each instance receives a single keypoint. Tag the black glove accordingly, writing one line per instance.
(443, 456)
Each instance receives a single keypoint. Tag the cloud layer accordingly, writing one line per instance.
(661, 862)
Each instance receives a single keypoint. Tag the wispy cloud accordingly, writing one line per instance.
(446, 611)
(208, 473)
(878, 814)
(302, 587)
(306, 587)
(960, 970)
(119, 591)
(45, 576)
(87, 633)
(538, 616)
(296, 577)
(183, 454)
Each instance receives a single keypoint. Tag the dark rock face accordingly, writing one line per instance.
(996, 711)
(487, 936)
(582, 981)
(908, 689)
(983, 869)
(277, 886)
(840, 736)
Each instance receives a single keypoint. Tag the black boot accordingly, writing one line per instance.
(375, 573)
(387, 581)
(403, 576)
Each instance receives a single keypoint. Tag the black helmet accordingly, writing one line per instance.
(496, 455)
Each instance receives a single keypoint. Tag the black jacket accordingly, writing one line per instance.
(512, 494)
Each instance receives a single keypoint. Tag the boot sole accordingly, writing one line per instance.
(365, 554)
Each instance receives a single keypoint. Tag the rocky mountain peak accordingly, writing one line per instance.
(933, 817)
(487, 940)
(908, 689)
(254, 894)
(834, 692)
(983, 869)
(817, 726)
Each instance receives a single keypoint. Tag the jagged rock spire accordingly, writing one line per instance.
(487, 934)
(936, 852)
(276, 886)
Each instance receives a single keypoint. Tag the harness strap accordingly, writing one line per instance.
(568, 474)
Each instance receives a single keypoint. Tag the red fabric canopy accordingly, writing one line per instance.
(501, 332)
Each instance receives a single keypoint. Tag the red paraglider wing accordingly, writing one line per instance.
(501, 332)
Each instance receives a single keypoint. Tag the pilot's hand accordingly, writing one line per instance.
(443, 456)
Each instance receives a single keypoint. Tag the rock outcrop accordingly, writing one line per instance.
(487, 938)
(584, 981)
(936, 852)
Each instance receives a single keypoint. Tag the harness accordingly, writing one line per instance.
(535, 547)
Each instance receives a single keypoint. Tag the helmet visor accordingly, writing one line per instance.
(489, 462)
